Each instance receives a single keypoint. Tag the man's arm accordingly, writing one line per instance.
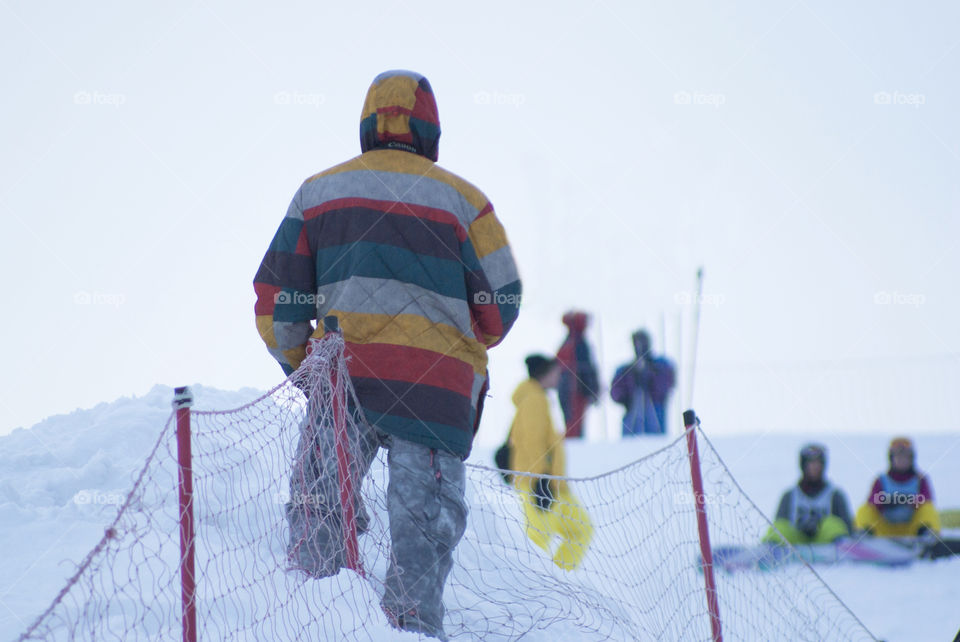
(783, 509)
(841, 508)
(925, 490)
(493, 283)
(875, 494)
(587, 379)
(286, 291)
(528, 437)
(621, 389)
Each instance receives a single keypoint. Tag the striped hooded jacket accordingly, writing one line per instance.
(411, 259)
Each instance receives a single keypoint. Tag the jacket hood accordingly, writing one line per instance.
(526, 389)
(576, 321)
(400, 112)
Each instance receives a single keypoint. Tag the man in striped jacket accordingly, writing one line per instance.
(415, 265)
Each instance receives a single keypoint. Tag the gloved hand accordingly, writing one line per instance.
(301, 384)
(543, 493)
(808, 524)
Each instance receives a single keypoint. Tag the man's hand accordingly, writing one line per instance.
(808, 525)
(543, 493)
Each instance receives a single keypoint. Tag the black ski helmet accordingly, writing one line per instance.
(538, 365)
(813, 451)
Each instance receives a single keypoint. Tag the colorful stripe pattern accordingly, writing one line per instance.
(414, 263)
(400, 112)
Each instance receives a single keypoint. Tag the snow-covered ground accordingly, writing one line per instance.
(919, 602)
(61, 481)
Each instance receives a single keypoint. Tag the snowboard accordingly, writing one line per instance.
(879, 551)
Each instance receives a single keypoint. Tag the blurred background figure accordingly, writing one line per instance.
(901, 500)
(579, 385)
(550, 508)
(643, 388)
(813, 511)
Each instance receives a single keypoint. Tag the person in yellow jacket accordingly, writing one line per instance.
(550, 508)
(901, 500)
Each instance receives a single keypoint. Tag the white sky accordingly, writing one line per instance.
(806, 154)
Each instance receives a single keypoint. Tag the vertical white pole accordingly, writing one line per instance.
(604, 396)
(696, 332)
(678, 397)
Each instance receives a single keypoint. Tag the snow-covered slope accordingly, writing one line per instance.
(60, 483)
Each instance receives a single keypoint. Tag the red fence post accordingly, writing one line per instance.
(690, 423)
(344, 458)
(182, 401)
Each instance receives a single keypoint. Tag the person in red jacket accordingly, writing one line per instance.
(901, 500)
(579, 386)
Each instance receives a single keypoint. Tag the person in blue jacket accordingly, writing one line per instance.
(643, 388)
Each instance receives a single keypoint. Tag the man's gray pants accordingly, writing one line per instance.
(425, 505)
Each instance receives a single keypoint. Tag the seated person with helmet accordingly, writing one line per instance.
(901, 500)
(814, 511)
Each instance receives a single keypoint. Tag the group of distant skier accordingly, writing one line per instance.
(642, 386)
(534, 447)
(899, 504)
(815, 511)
